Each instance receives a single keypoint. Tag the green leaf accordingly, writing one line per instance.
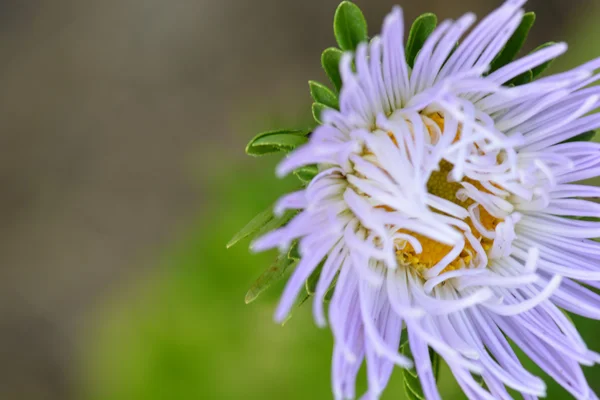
(349, 26)
(301, 299)
(403, 340)
(412, 384)
(419, 32)
(293, 252)
(322, 94)
(306, 174)
(275, 141)
(330, 60)
(277, 222)
(584, 137)
(253, 226)
(479, 379)
(515, 43)
(331, 290)
(317, 110)
(522, 79)
(566, 314)
(529, 76)
(313, 280)
(274, 273)
(541, 68)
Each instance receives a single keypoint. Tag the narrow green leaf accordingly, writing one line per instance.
(313, 279)
(537, 71)
(322, 94)
(349, 26)
(301, 299)
(566, 314)
(479, 379)
(419, 32)
(436, 362)
(522, 79)
(275, 141)
(530, 75)
(317, 110)
(515, 43)
(306, 174)
(274, 273)
(403, 339)
(293, 252)
(331, 290)
(253, 226)
(412, 384)
(330, 60)
(584, 137)
(276, 222)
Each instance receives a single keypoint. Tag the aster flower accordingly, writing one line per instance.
(444, 207)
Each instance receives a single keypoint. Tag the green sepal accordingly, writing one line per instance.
(522, 79)
(412, 384)
(419, 32)
(479, 379)
(284, 140)
(529, 76)
(307, 173)
(330, 60)
(322, 94)
(293, 252)
(584, 137)
(566, 314)
(274, 273)
(277, 222)
(264, 222)
(253, 226)
(331, 290)
(317, 110)
(349, 26)
(515, 43)
(301, 299)
(537, 71)
(311, 283)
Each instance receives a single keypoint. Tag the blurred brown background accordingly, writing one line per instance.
(108, 109)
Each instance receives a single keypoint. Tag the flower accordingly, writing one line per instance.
(445, 206)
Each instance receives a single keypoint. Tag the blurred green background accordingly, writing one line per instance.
(124, 176)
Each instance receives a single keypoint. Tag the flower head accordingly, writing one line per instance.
(443, 208)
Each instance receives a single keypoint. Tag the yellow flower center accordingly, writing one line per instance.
(433, 252)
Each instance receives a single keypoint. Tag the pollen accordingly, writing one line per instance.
(433, 252)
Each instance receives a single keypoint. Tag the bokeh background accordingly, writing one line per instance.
(123, 175)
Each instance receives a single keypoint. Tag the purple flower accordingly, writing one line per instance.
(444, 209)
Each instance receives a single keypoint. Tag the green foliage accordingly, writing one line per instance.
(253, 226)
(264, 222)
(306, 174)
(412, 384)
(317, 111)
(322, 94)
(313, 279)
(349, 26)
(522, 79)
(515, 43)
(419, 32)
(529, 76)
(284, 140)
(273, 274)
(330, 60)
(293, 252)
(584, 137)
(537, 71)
